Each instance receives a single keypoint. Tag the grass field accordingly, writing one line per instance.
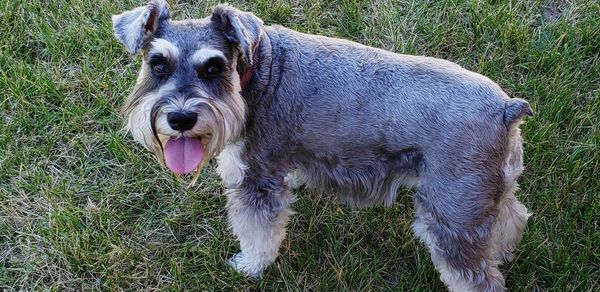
(84, 208)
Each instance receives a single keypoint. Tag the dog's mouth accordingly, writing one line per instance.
(184, 154)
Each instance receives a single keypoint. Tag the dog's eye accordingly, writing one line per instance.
(159, 65)
(213, 68)
(160, 68)
(209, 72)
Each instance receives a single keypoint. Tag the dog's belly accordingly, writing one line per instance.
(360, 179)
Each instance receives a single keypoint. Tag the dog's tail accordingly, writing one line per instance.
(515, 110)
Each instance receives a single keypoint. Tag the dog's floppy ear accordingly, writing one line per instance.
(136, 27)
(243, 29)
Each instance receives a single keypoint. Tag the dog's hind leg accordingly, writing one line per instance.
(454, 216)
(512, 214)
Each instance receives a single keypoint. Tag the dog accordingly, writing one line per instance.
(281, 109)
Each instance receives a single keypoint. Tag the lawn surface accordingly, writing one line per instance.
(83, 207)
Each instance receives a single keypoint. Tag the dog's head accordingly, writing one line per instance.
(187, 102)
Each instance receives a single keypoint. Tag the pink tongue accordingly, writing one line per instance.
(183, 155)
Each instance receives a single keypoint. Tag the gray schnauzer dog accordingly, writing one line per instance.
(280, 109)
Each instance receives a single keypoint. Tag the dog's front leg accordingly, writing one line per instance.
(258, 209)
(258, 219)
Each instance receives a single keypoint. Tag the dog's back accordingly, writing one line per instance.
(360, 89)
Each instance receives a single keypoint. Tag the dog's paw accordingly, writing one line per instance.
(501, 257)
(295, 179)
(243, 264)
(507, 256)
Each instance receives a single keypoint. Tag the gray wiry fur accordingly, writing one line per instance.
(341, 118)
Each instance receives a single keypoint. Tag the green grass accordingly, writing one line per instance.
(83, 207)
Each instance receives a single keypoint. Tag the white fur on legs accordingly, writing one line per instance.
(454, 279)
(450, 278)
(508, 228)
(512, 215)
(230, 167)
(259, 231)
(295, 179)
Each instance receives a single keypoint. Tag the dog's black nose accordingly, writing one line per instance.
(182, 121)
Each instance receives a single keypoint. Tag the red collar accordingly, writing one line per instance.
(247, 75)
